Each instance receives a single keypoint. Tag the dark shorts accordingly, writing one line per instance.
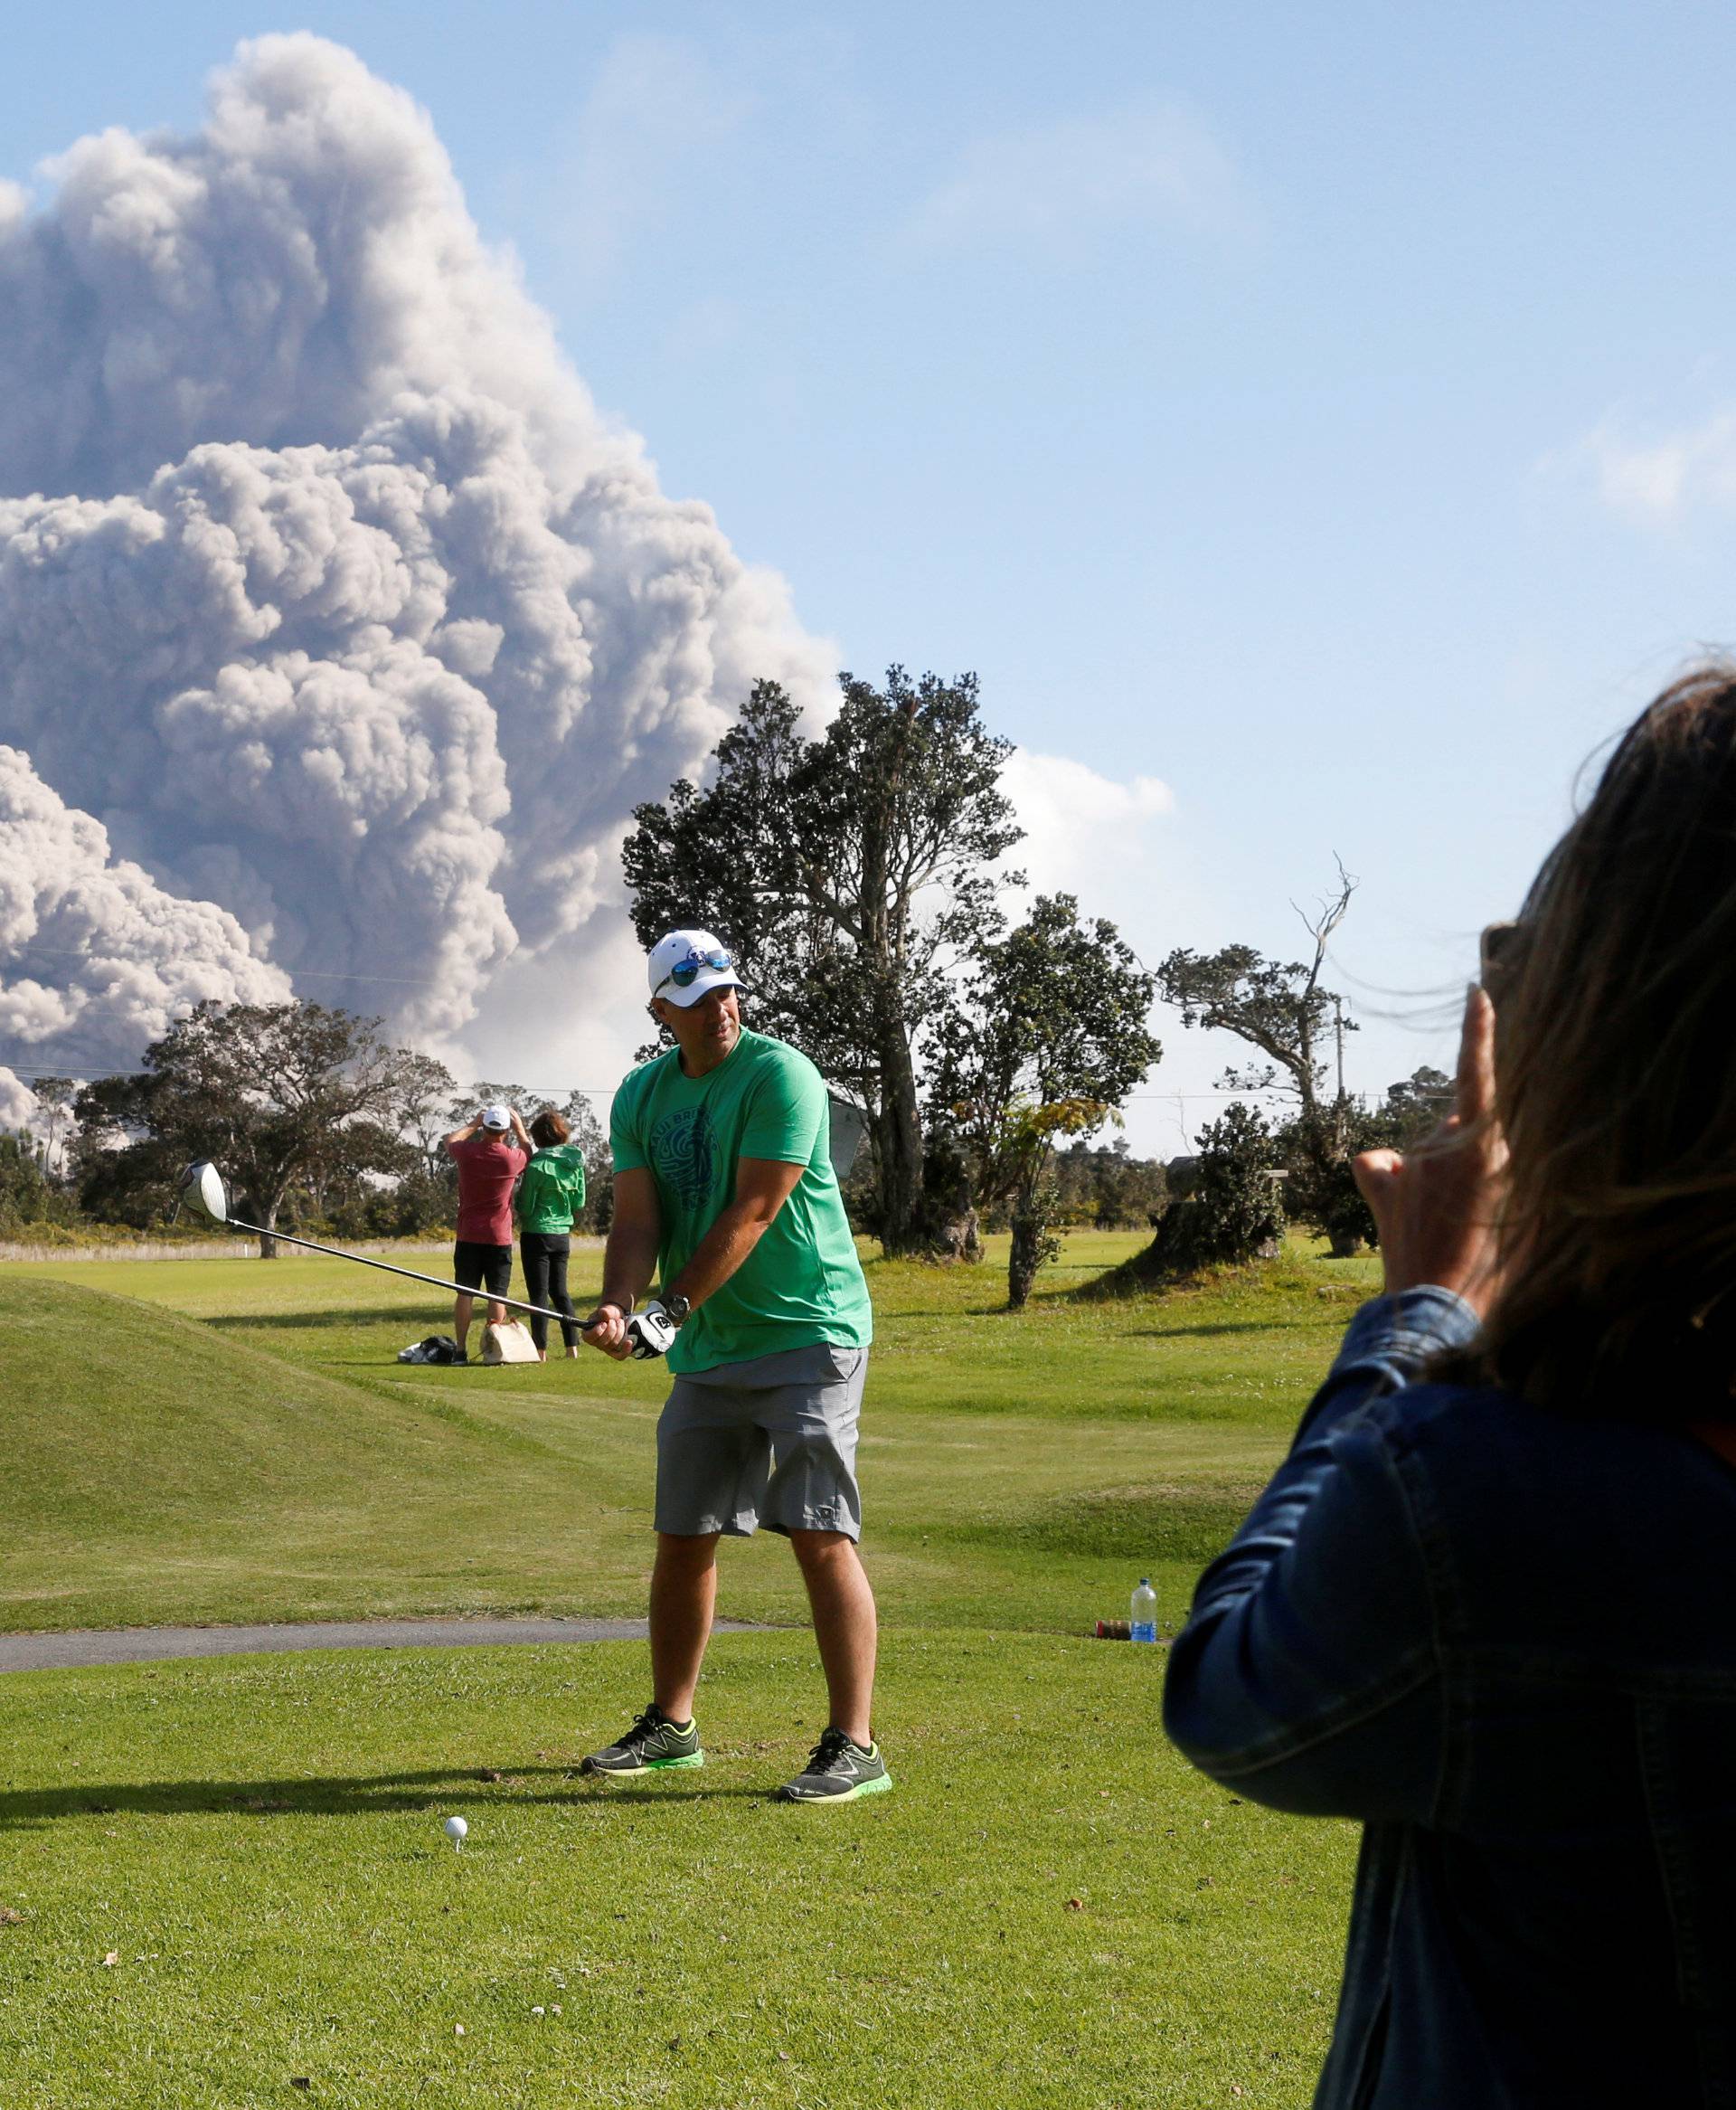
(482, 1267)
(770, 1442)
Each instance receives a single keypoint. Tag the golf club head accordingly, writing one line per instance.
(202, 1190)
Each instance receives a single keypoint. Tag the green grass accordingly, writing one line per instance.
(235, 1441)
(1050, 1908)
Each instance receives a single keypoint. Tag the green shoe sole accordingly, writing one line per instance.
(882, 1786)
(667, 1765)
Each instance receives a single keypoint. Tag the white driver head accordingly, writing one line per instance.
(202, 1188)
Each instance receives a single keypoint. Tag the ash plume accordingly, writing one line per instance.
(99, 958)
(18, 1104)
(327, 595)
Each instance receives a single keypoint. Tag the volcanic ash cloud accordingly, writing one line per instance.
(99, 959)
(323, 585)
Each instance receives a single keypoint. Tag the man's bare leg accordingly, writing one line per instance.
(683, 1590)
(844, 1626)
(462, 1307)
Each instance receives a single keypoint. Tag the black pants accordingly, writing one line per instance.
(543, 1254)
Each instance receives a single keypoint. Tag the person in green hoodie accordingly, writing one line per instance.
(549, 1195)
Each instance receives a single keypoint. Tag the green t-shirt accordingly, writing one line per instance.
(802, 1284)
(552, 1191)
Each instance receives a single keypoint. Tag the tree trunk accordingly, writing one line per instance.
(950, 1227)
(898, 1143)
(268, 1221)
(1025, 1259)
(957, 1236)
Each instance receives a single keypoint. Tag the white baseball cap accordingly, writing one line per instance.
(497, 1117)
(687, 964)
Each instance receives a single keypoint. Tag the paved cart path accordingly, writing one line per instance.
(155, 1644)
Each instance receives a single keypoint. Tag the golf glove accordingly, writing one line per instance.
(650, 1333)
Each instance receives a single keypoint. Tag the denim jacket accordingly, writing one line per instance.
(1505, 1640)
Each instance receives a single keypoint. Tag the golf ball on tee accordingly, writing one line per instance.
(454, 1829)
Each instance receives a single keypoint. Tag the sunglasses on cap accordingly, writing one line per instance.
(686, 972)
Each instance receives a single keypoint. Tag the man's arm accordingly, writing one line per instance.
(629, 1259)
(464, 1134)
(521, 1132)
(762, 1186)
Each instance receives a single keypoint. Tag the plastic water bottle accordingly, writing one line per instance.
(1143, 1616)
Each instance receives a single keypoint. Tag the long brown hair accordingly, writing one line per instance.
(1615, 1085)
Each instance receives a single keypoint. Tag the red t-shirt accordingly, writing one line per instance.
(487, 1171)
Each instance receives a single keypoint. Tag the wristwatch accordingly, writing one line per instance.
(675, 1308)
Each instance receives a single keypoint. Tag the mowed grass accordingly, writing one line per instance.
(230, 1879)
(224, 1883)
(234, 1441)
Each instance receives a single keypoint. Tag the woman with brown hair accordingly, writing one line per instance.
(549, 1195)
(1488, 1604)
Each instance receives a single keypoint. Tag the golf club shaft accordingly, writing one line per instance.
(410, 1274)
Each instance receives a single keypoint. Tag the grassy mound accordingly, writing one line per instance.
(125, 1415)
(233, 1439)
(159, 1468)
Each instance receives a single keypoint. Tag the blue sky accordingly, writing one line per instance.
(1328, 413)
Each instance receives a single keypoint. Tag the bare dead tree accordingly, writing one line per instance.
(1329, 912)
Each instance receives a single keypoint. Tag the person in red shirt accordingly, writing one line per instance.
(490, 1152)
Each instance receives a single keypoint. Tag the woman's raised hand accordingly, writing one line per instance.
(1435, 1206)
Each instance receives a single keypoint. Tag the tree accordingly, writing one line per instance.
(729, 858)
(1321, 1190)
(27, 1195)
(1417, 1102)
(1108, 1187)
(276, 1094)
(421, 1092)
(1049, 1039)
(55, 1096)
(1232, 1211)
(1279, 1009)
(1234, 1208)
(843, 873)
(1282, 1009)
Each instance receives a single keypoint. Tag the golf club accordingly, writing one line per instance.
(203, 1189)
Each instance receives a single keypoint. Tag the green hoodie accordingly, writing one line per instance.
(552, 1190)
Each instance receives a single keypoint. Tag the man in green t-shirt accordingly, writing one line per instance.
(724, 1189)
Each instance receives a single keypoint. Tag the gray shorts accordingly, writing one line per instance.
(770, 1442)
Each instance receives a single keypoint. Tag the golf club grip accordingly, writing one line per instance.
(410, 1274)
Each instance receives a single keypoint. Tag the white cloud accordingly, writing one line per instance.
(1659, 482)
(1147, 163)
(1086, 834)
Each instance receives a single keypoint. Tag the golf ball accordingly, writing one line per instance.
(455, 1828)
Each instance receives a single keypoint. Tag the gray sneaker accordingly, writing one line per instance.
(838, 1771)
(653, 1742)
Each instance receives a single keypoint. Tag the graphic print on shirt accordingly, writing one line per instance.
(682, 1150)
